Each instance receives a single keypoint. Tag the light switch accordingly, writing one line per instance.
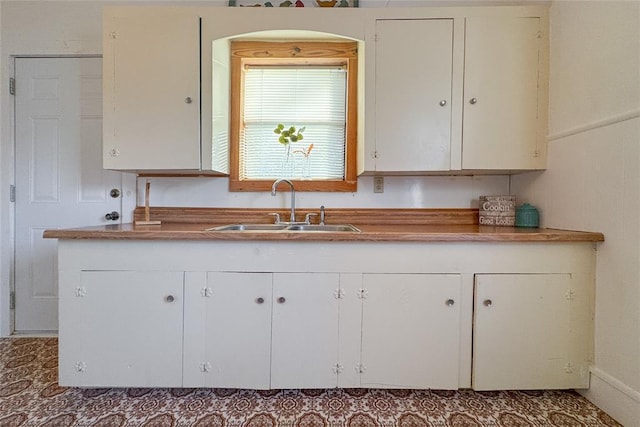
(378, 184)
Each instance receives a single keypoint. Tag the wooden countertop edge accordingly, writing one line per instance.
(474, 234)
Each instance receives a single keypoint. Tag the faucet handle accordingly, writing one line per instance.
(307, 217)
(277, 217)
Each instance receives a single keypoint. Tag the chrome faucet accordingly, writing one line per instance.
(292, 217)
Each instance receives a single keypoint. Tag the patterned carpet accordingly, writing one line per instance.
(30, 396)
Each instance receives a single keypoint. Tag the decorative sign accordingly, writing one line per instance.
(294, 3)
(497, 210)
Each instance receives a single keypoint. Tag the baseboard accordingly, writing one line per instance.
(614, 397)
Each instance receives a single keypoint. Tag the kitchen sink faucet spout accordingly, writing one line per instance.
(292, 217)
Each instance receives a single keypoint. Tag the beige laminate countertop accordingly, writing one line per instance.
(369, 232)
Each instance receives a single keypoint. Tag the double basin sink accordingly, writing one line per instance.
(327, 228)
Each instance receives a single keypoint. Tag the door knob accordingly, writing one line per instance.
(487, 303)
(112, 216)
(114, 193)
(281, 300)
(473, 101)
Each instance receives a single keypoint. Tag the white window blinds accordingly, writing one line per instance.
(313, 97)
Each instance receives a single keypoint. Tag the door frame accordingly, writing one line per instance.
(7, 206)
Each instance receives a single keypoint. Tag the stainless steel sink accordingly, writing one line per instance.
(327, 228)
(249, 227)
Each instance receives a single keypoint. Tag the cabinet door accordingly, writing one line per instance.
(228, 330)
(413, 95)
(122, 329)
(410, 330)
(304, 351)
(500, 125)
(152, 92)
(522, 332)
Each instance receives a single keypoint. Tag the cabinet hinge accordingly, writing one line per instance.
(12, 300)
(570, 295)
(568, 368)
(12, 193)
(81, 291)
(205, 367)
(338, 368)
(12, 86)
(206, 292)
(338, 293)
(363, 293)
(361, 368)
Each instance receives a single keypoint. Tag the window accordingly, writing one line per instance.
(307, 85)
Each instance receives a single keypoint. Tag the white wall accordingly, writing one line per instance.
(593, 177)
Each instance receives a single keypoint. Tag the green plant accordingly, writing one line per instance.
(288, 135)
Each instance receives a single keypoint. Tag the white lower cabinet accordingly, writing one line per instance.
(262, 330)
(304, 341)
(410, 330)
(227, 330)
(122, 329)
(411, 315)
(527, 332)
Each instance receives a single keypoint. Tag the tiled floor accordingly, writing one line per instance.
(30, 396)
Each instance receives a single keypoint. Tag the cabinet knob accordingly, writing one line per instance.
(169, 298)
(443, 102)
(473, 101)
(450, 302)
(487, 303)
(259, 300)
(188, 100)
(281, 300)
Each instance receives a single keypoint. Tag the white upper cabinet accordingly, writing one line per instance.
(501, 97)
(441, 90)
(151, 92)
(459, 94)
(413, 93)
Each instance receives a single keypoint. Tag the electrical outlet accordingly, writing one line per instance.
(378, 184)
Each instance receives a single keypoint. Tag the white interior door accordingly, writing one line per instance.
(59, 177)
